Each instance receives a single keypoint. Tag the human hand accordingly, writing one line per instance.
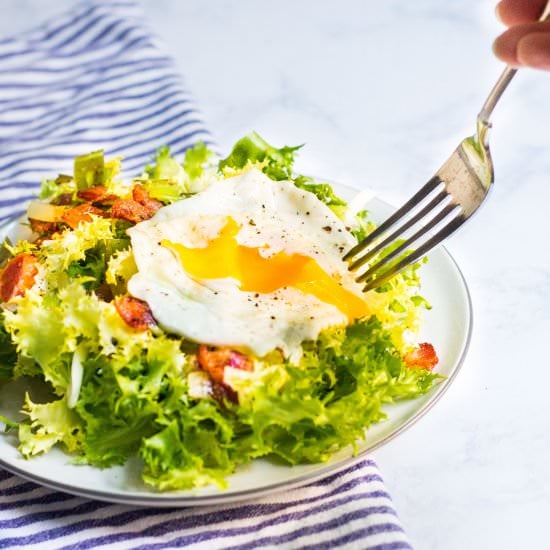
(526, 43)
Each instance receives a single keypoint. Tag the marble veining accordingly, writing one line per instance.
(381, 92)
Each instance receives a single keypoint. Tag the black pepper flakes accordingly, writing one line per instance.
(252, 222)
(327, 228)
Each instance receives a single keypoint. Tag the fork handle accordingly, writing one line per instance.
(501, 85)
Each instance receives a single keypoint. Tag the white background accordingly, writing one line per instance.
(381, 92)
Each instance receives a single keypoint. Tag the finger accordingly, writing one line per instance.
(517, 12)
(534, 50)
(507, 46)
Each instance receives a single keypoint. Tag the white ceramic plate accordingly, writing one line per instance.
(447, 326)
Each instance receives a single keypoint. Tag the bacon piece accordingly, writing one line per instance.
(80, 213)
(139, 208)
(221, 392)
(63, 200)
(140, 194)
(130, 210)
(104, 292)
(214, 361)
(135, 313)
(43, 228)
(423, 357)
(18, 276)
(97, 194)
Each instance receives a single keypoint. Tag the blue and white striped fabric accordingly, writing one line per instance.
(348, 510)
(97, 78)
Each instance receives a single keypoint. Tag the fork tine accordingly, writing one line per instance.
(421, 251)
(399, 230)
(439, 217)
(432, 184)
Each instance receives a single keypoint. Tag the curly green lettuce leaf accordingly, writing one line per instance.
(324, 192)
(50, 319)
(121, 398)
(197, 160)
(9, 425)
(92, 269)
(111, 169)
(345, 378)
(8, 352)
(53, 188)
(38, 330)
(115, 423)
(71, 246)
(363, 226)
(49, 424)
(191, 450)
(26, 366)
(121, 266)
(166, 167)
(168, 180)
(254, 150)
(48, 327)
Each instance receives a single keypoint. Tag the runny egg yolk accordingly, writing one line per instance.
(224, 257)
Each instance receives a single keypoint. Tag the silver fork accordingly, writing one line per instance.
(449, 198)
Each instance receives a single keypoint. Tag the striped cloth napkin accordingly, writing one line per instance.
(97, 78)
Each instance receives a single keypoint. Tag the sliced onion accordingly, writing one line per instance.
(77, 372)
(45, 212)
(199, 384)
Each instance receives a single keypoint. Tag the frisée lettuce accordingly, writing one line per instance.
(120, 387)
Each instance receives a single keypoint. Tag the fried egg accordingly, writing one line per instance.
(249, 262)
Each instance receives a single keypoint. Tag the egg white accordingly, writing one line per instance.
(273, 216)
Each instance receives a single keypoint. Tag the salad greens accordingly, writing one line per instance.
(252, 149)
(8, 353)
(118, 392)
(89, 170)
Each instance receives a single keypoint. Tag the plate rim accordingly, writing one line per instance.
(164, 500)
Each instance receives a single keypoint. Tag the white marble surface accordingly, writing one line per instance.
(381, 92)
